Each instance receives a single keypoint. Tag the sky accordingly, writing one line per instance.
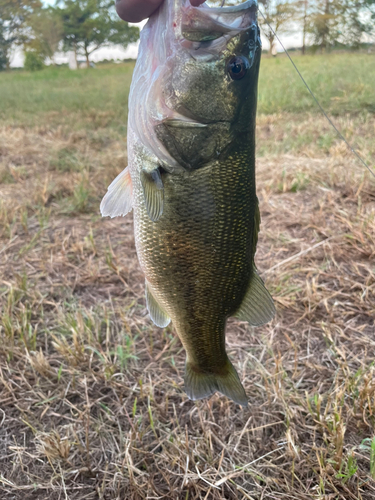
(119, 53)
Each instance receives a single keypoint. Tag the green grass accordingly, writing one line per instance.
(82, 99)
(344, 83)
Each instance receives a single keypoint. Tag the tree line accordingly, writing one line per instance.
(322, 23)
(82, 26)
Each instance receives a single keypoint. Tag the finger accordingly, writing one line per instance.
(135, 11)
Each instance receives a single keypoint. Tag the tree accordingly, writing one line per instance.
(14, 15)
(324, 23)
(279, 15)
(91, 24)
(341, 21)
(305, 14)
(356, 18)
(33, 61)
(48, 32)
(3, 56)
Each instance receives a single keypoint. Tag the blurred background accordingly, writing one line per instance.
(91, 393)
(36, 33)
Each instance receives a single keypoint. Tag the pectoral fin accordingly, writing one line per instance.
(153, 191)
(158, 316)
(119, 197)
(257, 307)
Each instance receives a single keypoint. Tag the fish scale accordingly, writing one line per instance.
(197, 256)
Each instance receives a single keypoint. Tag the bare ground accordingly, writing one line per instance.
(91, 393)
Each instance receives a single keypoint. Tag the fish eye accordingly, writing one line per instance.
(237, 67)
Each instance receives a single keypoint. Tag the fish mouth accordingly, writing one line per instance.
(183, 123)
(205, 24)
(230, 9)
(182, 118)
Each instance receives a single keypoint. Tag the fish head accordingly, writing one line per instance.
(203, 93)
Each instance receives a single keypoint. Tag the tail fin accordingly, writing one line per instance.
(200, 384)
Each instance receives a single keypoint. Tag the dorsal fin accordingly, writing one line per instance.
(257, 307)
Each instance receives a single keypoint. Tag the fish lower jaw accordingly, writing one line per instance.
(183, 123)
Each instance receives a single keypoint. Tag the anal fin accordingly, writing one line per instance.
(153, 191)
(119, 197)
(158, 316)
(257, 307)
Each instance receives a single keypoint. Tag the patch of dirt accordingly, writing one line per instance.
(91, 393)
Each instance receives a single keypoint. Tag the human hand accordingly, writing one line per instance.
(135, 11)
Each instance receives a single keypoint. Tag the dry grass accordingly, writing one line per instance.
(91, 393)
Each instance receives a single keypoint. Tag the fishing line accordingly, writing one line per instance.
(316, 100)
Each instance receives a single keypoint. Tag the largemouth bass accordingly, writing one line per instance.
(191, 181)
